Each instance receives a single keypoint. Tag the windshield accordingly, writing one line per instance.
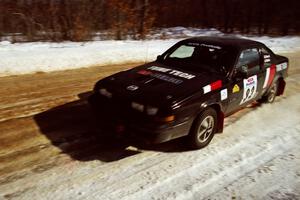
(199, 57)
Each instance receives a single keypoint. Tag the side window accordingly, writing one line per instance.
(249, 60)
(266, 57)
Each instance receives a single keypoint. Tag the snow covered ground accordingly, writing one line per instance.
(260, 161)
(23, 58)
(257, 156)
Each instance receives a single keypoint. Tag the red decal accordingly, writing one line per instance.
(272, 74)
(216, 85)
(144, 72)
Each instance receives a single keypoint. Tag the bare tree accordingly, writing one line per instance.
(78, 20)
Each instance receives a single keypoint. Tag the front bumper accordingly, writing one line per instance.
(158, 134)
(125, 123)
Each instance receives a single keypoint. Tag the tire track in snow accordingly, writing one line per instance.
(229, 164)
(175, 175)
(267, 175)
(175, 167)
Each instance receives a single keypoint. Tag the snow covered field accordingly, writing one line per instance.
(23, 58)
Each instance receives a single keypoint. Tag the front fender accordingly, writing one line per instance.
(218, 107)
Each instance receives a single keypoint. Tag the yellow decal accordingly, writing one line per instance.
(235, 88)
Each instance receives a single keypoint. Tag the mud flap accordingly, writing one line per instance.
(220, 122)
(281, 87)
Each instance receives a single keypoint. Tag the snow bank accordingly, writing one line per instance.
(286, 44)
(181, 32)
(45, 57)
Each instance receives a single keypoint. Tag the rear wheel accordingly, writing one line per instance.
(271, 95)
(203, 129)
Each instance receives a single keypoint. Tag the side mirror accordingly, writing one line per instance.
(159, 58)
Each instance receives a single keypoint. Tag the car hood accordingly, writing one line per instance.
(155, 83)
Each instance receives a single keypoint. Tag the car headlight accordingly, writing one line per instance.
(106, 93)
(138, 106)
(150, 110)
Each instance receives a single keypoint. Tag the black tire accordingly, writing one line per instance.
(271, 94)
(203, 129)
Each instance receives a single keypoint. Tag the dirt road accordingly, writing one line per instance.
(51, 147)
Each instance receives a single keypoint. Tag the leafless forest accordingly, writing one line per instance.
(81, 20)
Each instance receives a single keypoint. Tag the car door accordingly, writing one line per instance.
(268, 69)
(247, 80)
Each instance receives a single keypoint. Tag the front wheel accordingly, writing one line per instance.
(203, 129)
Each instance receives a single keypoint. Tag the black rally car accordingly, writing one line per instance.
(190, 88)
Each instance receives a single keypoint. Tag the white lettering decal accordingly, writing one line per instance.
(193, 44)
(210, 46)
(204, 45)
(173, 72)
(159, 69)
(166, 78)
(181, 74)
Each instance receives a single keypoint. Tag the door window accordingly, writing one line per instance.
(249, 60)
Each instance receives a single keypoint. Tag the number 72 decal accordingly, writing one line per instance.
(250, 87)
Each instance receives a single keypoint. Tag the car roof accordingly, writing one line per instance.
(235, 42)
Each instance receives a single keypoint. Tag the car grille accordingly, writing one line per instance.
(119, 107)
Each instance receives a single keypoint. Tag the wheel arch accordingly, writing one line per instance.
(220, 114)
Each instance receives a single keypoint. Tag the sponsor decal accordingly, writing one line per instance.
(160, 76)
(211, 46)
(159, 69)
(132, 87)
(270, 74)
(172, 72)
(281, 66)
(181, 74)
(193, 44)
(166, 78)
(267, 58)
(213, 86)
(204, 45)
(250, 87)
(235, 88)
(224, 94)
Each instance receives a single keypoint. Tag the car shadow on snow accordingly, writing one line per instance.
(74, 129)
